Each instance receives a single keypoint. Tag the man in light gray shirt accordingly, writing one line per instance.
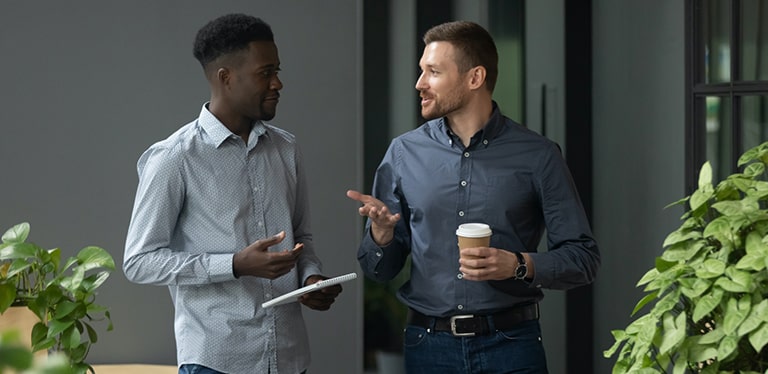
(221, 216)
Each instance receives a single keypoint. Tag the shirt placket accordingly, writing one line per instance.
(462, 210)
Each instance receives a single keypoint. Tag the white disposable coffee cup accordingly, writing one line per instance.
(472, 235)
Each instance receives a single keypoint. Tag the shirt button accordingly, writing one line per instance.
(485, 141)
(268, 296)
(260, 223)
(466, 154)
(461, 213)
(461, 307)
(378, 254)
(463, 183)
(460, 276)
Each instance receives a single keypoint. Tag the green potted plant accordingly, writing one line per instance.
(19, 358)
(708, 311)
(62, 296)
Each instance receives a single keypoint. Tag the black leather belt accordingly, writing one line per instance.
(471, 325)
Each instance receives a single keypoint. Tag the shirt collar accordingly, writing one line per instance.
(485, 135)
(219, 133)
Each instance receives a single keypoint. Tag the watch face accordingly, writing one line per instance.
(521, 271)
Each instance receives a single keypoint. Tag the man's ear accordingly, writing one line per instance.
(222, 76)
(476, 77)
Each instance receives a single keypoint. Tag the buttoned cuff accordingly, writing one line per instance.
(220, 267)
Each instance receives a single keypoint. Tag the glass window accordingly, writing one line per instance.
(718, 135)
(727, 66)
(754, 43)
(754, 117)
(714, 18)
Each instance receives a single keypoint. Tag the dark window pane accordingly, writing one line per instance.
(754, 44)
(754, 115)
(714, 20)
(719, 135)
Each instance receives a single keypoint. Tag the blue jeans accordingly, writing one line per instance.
(200, 369)
(517, 350)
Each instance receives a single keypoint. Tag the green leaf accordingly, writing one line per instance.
(758, 338)
(95, 257)
(730, 208)
(17, 234)
(681, 236)
(752, 261)
(713, 336)
(754, 170)
(16, 357)
(71, 337)
(731, 286)
(64, 309)
(734, 313)
(706, 304)
(727, 346)
(19, 251)
(701, 353)
(645, 300)
(705, 175)
(699, 198)
(693, 288)
(56, 327)
(711, 268)
(7, 295)
(647, 277)
(720, 229)
(674, 332)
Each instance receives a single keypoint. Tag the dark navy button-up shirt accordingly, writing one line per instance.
(508, 177)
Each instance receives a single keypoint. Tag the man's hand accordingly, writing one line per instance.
(255, 260)
(322, 298)
(491, 264)
(382, 221)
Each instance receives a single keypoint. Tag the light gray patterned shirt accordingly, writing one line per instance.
(203, 195)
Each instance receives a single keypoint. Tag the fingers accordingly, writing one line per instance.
(264, 244)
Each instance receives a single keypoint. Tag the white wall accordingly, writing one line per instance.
(86, 86)
(638, 108)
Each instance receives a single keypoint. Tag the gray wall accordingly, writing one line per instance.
(638, 87)
(88, 85)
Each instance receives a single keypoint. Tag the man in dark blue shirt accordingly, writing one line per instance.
(469, 163)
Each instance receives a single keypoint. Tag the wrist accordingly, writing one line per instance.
(382, 237)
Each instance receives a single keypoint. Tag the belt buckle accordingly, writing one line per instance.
(453, 325)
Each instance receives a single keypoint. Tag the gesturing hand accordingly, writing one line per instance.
(255, 259)
(322, 298)
(382, 221)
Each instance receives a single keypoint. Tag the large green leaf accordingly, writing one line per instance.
(735, 312)
(707, 304)
(95, 257)
(644, 301)
(647, 277)
(17, 234)
(19, 251)
(56, 327)
(754, 170)
(719, 228)
(759, 337)
(710, 337)
(681, 236)
(7, 295)
(727, 346)
(711, 268)
(693, 287)
(674, 332)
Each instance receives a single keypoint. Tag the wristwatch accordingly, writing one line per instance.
(521, 271)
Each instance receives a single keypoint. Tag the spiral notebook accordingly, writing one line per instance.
(294, 295)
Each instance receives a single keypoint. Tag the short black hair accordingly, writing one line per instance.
(227, 34)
